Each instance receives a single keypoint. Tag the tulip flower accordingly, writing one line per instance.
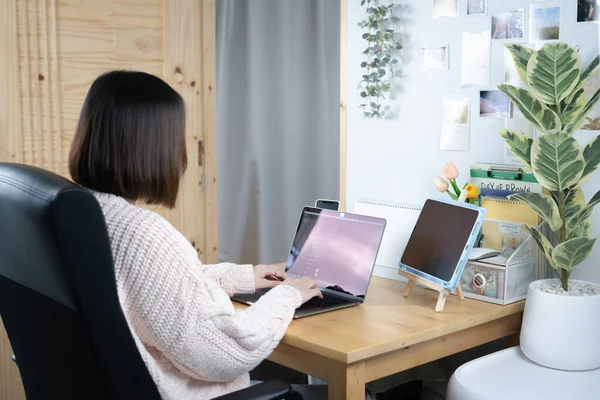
(441, 184)
(450, 186)
(472, 191)
(450, 171)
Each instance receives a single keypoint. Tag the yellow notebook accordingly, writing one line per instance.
(500, 209)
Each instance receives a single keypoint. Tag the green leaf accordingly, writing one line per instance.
(582, 230)
(556, 161)
(521, 56)
(571, 116)
(534, 110)
(594, 200)
(591, 157)
(569, 254)
(553, 72)
(544, 205)
(574, 203)
(578, 119)
(452, 195)
(543, 243)
(589, 70)
(519, 144)
(574, 223)
(363, 64)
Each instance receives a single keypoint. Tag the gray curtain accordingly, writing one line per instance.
(277, 120)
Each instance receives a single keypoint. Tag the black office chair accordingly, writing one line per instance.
(58, 296)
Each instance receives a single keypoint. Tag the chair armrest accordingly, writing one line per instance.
(270, 390)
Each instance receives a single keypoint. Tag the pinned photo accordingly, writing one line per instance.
(434, 58)
(456, 111)
(508, 24)
(445, 8)
(493, 103)
(588, 10)
(476, 7)
(455, 134)
(545, 22)
(475, 59)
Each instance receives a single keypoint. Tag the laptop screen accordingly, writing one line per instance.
(439, 239)
(336, 249)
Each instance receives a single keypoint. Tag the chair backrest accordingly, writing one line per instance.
(58, 295)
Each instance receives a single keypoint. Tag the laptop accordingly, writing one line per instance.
(336, 249)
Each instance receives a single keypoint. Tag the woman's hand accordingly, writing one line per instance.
(268, 276)
(307, 287)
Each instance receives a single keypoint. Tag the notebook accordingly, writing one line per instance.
(501, 209)
(401, 220)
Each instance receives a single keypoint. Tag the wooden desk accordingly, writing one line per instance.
(388, 334)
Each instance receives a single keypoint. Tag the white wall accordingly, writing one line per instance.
(396, 159)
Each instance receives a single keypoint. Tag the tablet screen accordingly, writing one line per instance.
(439, 239)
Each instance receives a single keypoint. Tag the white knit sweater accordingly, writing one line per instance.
(193, 341)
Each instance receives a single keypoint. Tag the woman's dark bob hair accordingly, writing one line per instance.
(130, 140)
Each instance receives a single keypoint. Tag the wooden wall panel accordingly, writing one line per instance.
(51, 52)
(190, 67)
(98, 36)
(38, 80)
(10, 107)
(61, 46)
(182, 69)
(209, 129)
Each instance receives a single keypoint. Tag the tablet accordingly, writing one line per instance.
(441, 241)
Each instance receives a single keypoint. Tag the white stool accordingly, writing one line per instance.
(508, 374)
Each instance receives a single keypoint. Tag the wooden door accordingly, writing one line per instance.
(50, 53)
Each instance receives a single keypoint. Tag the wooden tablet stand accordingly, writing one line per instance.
(443, 292)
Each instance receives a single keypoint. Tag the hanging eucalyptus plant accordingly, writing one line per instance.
(380, 55)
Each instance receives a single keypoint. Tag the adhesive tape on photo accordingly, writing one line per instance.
(479, 281)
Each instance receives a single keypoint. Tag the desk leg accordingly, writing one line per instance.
(347, 382)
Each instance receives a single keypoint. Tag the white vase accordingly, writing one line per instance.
(561, 332)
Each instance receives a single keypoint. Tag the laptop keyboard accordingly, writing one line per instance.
(327, 301)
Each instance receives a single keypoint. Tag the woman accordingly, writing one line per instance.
(130, 147)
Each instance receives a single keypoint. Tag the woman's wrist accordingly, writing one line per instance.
(291, 292)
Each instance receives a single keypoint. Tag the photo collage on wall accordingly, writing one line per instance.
(532, 25)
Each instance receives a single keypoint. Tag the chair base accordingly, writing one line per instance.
(508, 374)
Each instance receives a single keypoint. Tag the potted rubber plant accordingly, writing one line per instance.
(561, 323)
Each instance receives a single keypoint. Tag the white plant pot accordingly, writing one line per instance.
(561, 332)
